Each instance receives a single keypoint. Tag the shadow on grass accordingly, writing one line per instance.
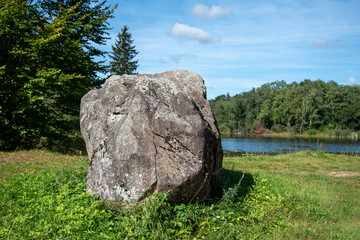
(228, 180)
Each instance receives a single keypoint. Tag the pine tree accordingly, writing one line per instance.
(123, 53)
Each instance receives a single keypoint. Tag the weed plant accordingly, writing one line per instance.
(301, 195)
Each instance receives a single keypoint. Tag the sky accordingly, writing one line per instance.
(237, 45)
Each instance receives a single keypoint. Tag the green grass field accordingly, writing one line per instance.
(302, 195)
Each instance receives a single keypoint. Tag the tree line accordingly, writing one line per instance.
(48, 60)
(305, 107)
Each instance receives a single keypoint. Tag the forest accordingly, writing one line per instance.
(308, 107)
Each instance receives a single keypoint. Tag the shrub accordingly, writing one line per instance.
(277, 128)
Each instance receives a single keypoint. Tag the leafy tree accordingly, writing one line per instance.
(225, 108)
(123, 54)
(46, 65)
(305, 106)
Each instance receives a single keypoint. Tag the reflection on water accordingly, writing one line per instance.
(265, 144)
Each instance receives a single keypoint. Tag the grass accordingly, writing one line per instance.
(303, 195)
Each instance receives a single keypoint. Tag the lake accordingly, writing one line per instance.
(269, 144)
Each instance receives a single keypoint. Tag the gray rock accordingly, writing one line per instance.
(150, 133)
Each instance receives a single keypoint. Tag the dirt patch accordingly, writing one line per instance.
(344, 174)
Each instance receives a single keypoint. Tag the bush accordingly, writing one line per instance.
(340, 133)
(277, 128)
(291, 130)
(312, 132)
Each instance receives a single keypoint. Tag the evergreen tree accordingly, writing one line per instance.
(123, 53)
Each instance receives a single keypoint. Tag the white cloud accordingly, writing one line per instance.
(162, 61)
(179, 57)
(321, 42)
(185, 31)
(351, 80)
(213, 12)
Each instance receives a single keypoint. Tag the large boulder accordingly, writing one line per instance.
(150, 133)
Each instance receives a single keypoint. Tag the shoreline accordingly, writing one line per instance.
(286, 134)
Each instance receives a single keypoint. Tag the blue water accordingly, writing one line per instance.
(282, 144)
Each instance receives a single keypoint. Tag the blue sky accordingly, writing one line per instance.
(236, 45)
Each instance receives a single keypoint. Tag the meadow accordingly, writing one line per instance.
(303, 195)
